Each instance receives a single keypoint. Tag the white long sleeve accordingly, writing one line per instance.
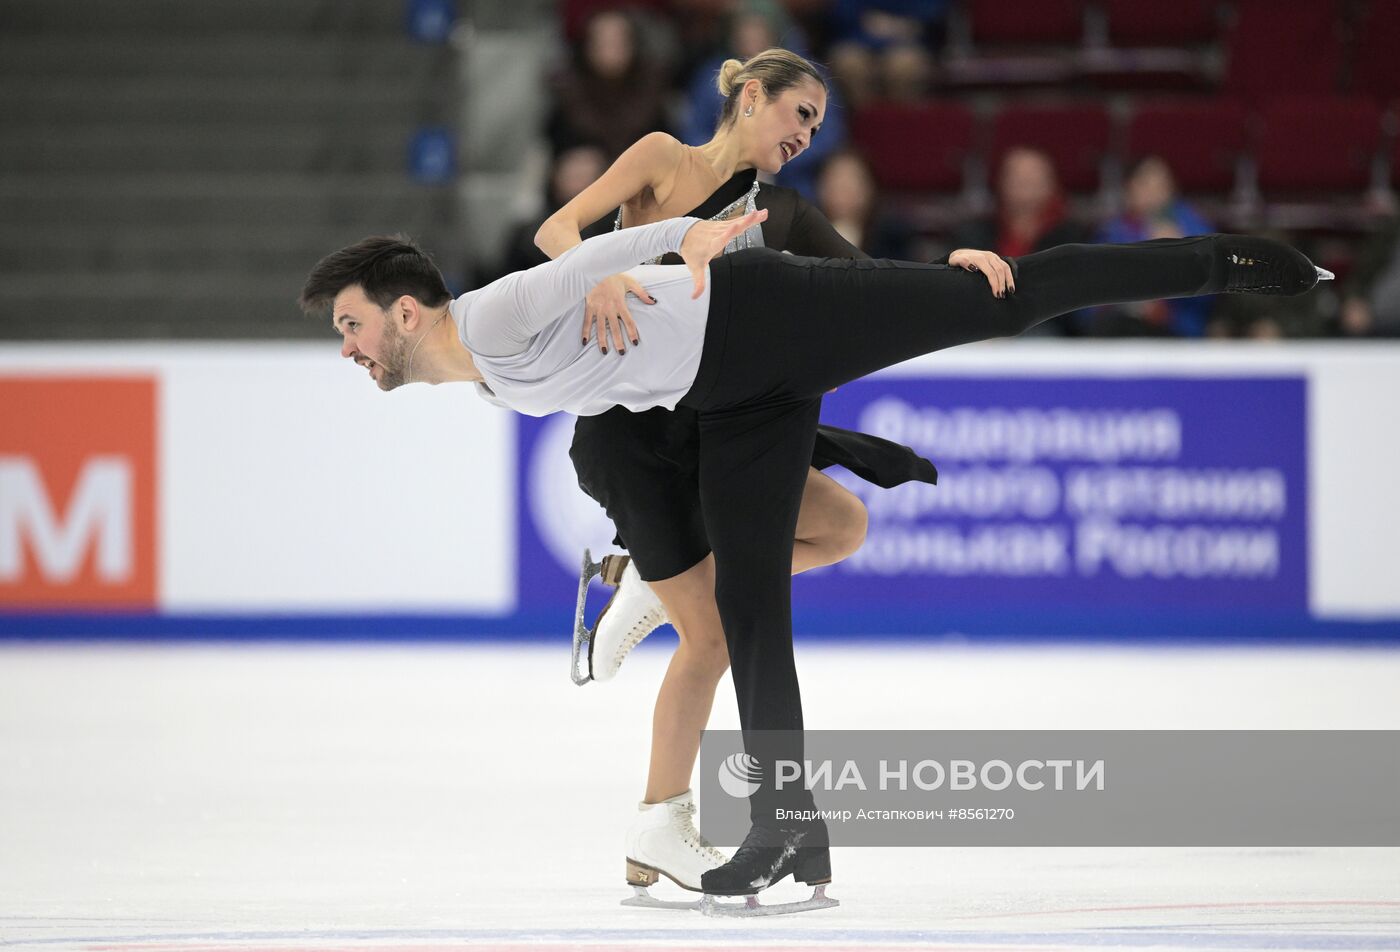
(507, 314)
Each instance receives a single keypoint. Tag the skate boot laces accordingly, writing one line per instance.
(652, 619)
(1263, 266)
(683, 820)
(1254, 273)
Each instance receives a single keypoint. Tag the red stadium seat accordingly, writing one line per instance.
(1202, 140)
(1283, 47)
(920, 147)
(1076, 137)
(1179, 23)
(1026, 22)
(1316, 143)
(1375, 70)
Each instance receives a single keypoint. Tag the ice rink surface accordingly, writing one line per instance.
(207, 798)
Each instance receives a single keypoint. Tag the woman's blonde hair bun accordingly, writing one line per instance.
(727, 74)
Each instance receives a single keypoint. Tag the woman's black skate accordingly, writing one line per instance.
(769, 854)
(1264, 266)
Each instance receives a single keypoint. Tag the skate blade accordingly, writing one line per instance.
(580, 669)
(751, 907)
(641, 899)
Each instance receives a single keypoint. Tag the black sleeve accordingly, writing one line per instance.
(813, 236)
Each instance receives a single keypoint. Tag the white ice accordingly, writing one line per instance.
(429, 797)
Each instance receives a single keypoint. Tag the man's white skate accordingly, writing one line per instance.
(663, 841)
(630, 615)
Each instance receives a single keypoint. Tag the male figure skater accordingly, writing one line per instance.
(751, 341)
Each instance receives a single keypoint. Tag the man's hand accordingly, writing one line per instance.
(706, 240)
(606, 308)
(998, 272)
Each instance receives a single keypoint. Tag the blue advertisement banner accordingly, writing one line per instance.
(1072, 493)
(1091, 506)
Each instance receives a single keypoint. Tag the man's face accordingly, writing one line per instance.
(371, 337)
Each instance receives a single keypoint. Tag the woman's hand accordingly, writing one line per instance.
(605, 308)
(706, 240)
(998, 272)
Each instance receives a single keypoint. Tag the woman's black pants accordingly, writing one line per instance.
(782, 331)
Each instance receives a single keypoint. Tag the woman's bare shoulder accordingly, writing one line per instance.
(657, 147)
(660, 155)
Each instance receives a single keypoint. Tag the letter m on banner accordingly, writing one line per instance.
(77, 493)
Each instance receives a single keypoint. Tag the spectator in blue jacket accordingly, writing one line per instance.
(884, 49)
(1152, 209)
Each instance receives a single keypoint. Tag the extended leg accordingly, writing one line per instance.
(798, 326)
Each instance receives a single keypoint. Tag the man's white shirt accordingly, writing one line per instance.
(523, 330)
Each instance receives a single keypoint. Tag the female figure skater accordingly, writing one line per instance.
(750, 341)
(641, 467)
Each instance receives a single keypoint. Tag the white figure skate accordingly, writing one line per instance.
(630, 615)
(663, 841)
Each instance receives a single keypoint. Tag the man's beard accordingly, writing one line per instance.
(395, 357)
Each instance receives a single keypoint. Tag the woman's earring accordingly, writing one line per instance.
(748, 112)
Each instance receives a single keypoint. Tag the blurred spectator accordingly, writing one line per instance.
(1031, 215)
(611, 95)
(846, 194)
(575, 14)
(753, 28)
(1250, 317)
(749, 30)
(885, 48)
(572, 172)
(1152, 209)
(1371, 302)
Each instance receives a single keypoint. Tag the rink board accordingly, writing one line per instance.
(1101, 491)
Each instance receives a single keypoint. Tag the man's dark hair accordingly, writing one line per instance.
(386, 266)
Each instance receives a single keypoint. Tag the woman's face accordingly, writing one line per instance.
(751, 35)
(610, 45)
(1027, 182)
(1150, 189)
(575, 170)
(844, 190)
(780, 128)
